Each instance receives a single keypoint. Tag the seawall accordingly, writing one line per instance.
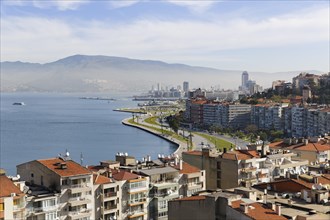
(179, 144)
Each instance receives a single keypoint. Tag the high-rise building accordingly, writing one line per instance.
(245, 78)
(185, 86)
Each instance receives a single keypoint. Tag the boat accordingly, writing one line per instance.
(18, 103)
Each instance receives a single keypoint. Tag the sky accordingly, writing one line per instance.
(267, 36)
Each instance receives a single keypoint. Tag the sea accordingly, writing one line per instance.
(51, 124)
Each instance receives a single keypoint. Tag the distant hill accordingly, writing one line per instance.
(82, 73)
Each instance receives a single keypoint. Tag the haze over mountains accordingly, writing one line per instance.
(82, 73)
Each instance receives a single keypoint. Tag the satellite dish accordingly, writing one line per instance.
(319, 186)
(314, 186)
(67, 154)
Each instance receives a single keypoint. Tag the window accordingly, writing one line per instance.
(2, 206)
(162, 204)
(16, 201)
(50, 216)
(162, 214)
(32, 175)
(65, 182)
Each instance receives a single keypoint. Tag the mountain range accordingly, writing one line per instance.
(83, 73)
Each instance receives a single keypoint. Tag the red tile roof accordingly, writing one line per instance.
(257, 211)
(7, 187)
(240, 155)
(123, 175)
(316, 147)
(194, 152)
(191, 198)
(187, 168)
(99, 179)
(72, 169)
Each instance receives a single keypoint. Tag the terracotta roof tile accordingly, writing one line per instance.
(191, 198)
(257, 211)
(99, 179)
(187, 168)
(123, 175)
(240, 155)
(72, 169)
(193, 152)
(7, 187)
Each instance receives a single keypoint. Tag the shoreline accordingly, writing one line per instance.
(179, 144)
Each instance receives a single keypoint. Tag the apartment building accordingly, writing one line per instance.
(73, 183)
(266, 116)
(106, 197)
(12, 199)
(315, 150)
(303, 79)
(41, 203)
(134, 194)
(204, 160)
(163, 187)
(191, 179)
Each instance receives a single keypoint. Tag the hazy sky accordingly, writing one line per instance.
(251, 35)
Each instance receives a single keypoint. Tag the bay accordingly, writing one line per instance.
(50, 124)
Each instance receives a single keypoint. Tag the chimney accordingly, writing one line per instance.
(244, 207)
(278, 209)
(305, 141)
(180, 164)
(315, 180)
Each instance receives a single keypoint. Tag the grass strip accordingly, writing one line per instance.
(218, 142)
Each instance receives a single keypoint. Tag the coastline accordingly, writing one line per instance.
(180, 145)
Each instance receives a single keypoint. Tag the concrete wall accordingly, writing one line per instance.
(191, 210)
(229, 174)
(50, 179)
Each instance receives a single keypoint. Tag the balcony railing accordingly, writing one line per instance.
(110, 194)
(83, 211)
(248, 169)
(80, 185)
(43, 209)
(137, 200)
(110, 207)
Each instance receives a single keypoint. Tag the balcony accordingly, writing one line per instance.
(78, 188)
(41, 210)
(194, 185)
(80, 214)
(136, 213)
(78, 201)
(109, 209)
(19, 207)
(109, 196)
(248, 169)
(136, 201)
(137, 189)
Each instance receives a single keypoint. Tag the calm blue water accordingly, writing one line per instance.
(51, 123)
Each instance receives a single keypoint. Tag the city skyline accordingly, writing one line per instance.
(255, 36)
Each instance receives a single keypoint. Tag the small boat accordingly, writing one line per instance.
(18, 103)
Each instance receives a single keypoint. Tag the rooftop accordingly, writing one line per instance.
(160, 170)
(72, 168)
(123, 175)
(7, 187)
(99, 179)
(187, 168)
(257, 211)
(191, 198)
(240, 155)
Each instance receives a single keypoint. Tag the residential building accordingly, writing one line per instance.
(303, 79)
(73, 182)
(310, 188)
(220, 205)
(12, 199)
(315, 150)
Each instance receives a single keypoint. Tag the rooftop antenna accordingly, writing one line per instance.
(81, 158)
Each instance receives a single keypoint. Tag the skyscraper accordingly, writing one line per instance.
(245, 78)
(185, 86)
